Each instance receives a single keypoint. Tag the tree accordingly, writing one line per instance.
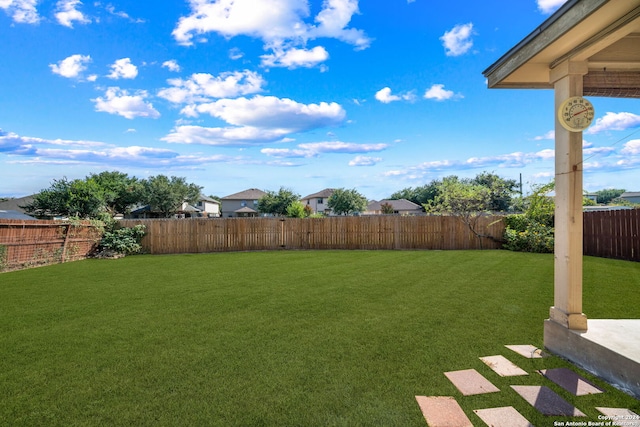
(168, 194)
(500, 190)
(77, 198)
(419, 195)
(277, 203)
(120, 191)
(347, 202)
(387, 208)
(532, 231)
(296, 210)
(464, 199)
(607, 195)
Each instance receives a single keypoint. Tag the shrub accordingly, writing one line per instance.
(524, 234)
(123, 240)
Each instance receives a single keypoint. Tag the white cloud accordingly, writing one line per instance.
(384, 95)
(631, 148)
(550, 135)
(269, 20)
(123, 69)
(67, 13)
(294, 58)
(334, 18)
(21, 11)
(118, 101)
(269, 112)
(439, 93)
(172, 65)
(235, 53)
(614, 121)
(112, 10)
(218, 136)
(280, 24)
(39, 151)
(314, 149)
(72, 66)
(203, 87)
(458, 41)
(510, 160)
(548, 6)
(365, 161)
(342, 147)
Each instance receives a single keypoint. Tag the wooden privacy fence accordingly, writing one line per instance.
(168, 236)
(25, 244)
(612, 234)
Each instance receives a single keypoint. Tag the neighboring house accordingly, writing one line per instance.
(631, 196)
(607, 208)
(206, 207)
(318, 201)
(400, 207)
(243, 204)
(16, 204)
(7, 214)
(210, 208)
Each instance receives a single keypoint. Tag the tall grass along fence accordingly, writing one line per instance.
(364, 232)
(612, 234)
(25, 244)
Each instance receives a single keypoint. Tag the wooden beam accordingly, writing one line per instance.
(567, 308)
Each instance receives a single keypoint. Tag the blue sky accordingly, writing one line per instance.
(304, 94)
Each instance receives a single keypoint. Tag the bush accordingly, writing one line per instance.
(524, 234)
(123, 240)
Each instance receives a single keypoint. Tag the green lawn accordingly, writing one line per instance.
(304, 338)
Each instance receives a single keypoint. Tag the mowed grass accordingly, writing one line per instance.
(308, 338)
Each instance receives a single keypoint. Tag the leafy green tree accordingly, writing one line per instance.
(532, 230)
(277, 203)
(77, 198)
(607, 195)
(347, 202)
(386, 208)
(418, 195)
(120, 191)
(501, 190)
(296, 210)
(464, 199)
(168, 194)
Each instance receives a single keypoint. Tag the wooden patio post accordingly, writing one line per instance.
(567, 308)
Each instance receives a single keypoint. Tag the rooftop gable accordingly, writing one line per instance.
(250, 194)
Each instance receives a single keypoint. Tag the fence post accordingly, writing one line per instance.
(66, 240)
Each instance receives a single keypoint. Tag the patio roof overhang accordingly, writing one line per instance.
(604, 34)
(586, 48)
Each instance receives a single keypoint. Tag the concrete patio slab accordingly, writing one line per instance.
(503, 366)
(570, 381)
(442, 411)
(610, 349)
(620, 416)
(470, 382)
(507, 416)
(547, 401)
(528, 351)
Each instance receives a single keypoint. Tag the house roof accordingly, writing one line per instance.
(245, 209)
(250, 194)
(208, 199)
(327, 192)
(14, 204)
(601, 34)
(10, 214)
(630, 194)
(398, 205)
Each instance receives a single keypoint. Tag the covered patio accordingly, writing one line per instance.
(586, 48)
